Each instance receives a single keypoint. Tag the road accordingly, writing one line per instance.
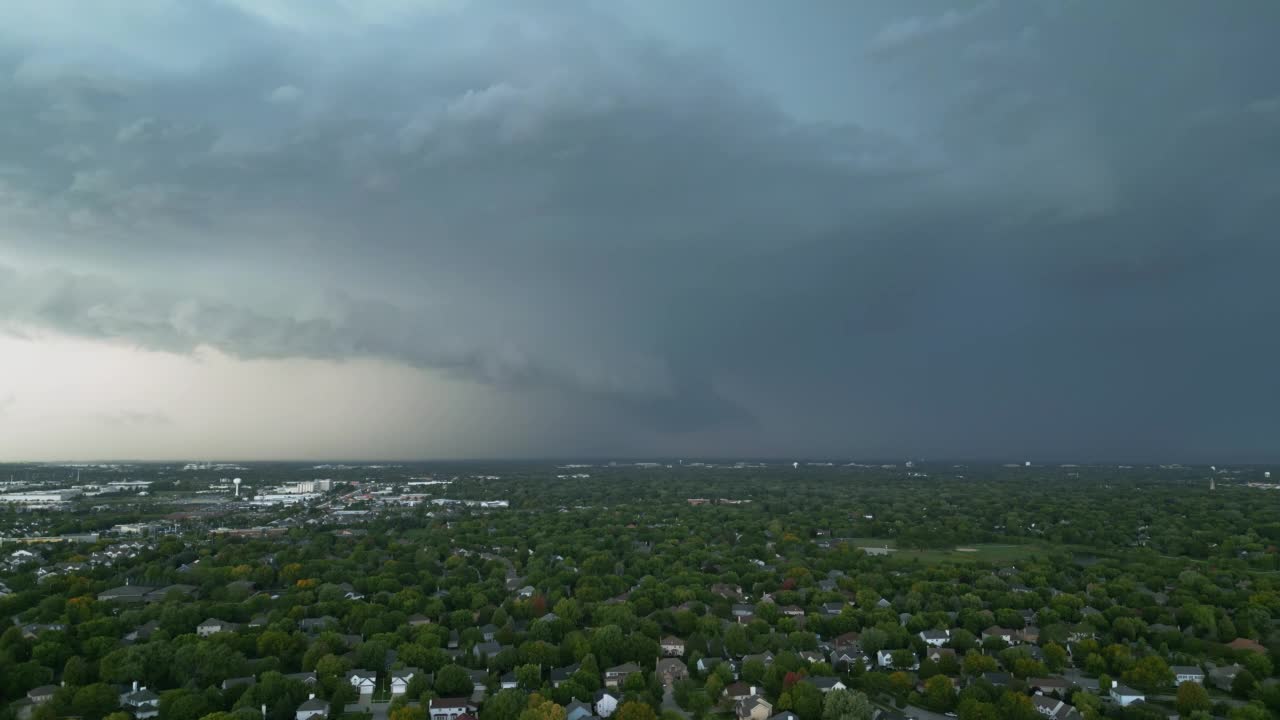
(365, 704)
(669, 702)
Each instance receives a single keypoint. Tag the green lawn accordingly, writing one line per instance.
(990, 552)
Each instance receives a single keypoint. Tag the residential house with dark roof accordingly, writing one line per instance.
(671, 670)
(213, 626)
(311, 709)
(449, 708)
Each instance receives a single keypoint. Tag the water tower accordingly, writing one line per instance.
(237, 484)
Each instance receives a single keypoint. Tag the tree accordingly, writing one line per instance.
(93, 702)
(714, 687)
(635, 711)
(975, 663)
(541, 708)
(806, 701)
(846, 705)
(1055, 656)
(753, 671)
(1150, 673)
(529, 677)
(183, 705)
(1016, 706)
(939, 694)
(406, 712)
(1249, 712)
(506, 705)
(1192, 697)
(76, 671)
(1243, 684)
(453, 680)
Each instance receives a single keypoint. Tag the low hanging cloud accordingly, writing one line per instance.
(552, 200)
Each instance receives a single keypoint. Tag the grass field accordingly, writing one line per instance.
(996, 553)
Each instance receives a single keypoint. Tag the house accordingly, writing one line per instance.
(729, 592)
(744, 613)
(791, 611)
(849, 658)
(143, 632)
(785, 715)
(577, 710)
(479, 681)
(258, 621)
(1246, 645)
(606, 703)
(848, 641)
(1049, 685)
(125, 594)
(1124, 696)
(995, 631)
(42, 694)
(417, 620)
(671, 670)
(739, 691)
(1223, 676)
(315, 625)
(827, 684)
(832, 609)
(1187, 673)
(672, 646)
(560, 675)
(812, 656)
(616, 676)
(486, 649)
(489, 631)
(1028, 634)
(160, 594)
(140, 702)
(449, 708)
(213, 626)
(314, 707)
(363, 680)
(753, 708)
(1053, 708)
(246, 681)
(765, 658)
(400, 679)
(884, 659)
(508, 682)
(997, 679)
(306, 678)
(935, 638)
(939, 654)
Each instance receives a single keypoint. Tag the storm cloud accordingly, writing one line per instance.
(964, 229)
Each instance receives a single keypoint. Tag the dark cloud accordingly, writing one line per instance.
(1059, 237)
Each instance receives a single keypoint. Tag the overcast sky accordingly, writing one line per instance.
(442, 228)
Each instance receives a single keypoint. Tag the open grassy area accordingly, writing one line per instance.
(990, 552)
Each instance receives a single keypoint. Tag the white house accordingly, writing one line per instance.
(616, 676)
(400, 680)
(213, 626)
(449, 708)
(995, 631)
(42, 694)
(141, 702)
(672, 646)
(935, 638)
(1187, 673)
(885, 659)
(1126, 696)
(827, 684)
(1053, 708)
(314, 707)
(606, 703)
(363, 680)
